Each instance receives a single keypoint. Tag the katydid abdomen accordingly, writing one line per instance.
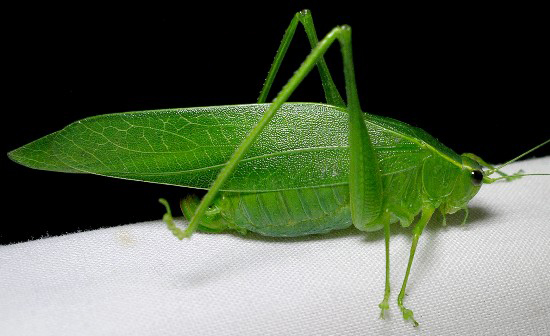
(294, 212)
(315, 210)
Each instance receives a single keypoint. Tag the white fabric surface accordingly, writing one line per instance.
(489, 277)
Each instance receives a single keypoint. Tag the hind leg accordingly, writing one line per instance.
(212, 221)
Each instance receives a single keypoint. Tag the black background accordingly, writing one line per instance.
(473, 76)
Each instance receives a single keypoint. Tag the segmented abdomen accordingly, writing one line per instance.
(290, 212)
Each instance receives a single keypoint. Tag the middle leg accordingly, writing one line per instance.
(427, 212)
(384, 305)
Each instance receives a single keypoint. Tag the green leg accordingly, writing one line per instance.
(466, 214)
(417, 231)
(443, 217)
(364, 166)
(384, 305)
(169, 220)
(304, 17)
(211, 222)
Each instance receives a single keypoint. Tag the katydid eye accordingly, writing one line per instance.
(477, 177)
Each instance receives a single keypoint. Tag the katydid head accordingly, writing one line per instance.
(467, 184)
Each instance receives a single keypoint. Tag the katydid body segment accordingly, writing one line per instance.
(279, 169)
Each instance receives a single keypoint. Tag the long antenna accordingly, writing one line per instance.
(489, 180)
(518, 157)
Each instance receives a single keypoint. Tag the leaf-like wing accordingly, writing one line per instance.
(305, 145)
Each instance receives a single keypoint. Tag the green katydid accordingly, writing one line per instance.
(279, 169)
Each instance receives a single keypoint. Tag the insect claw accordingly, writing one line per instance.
(408, 315)
(169, 220)
(384, 305)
